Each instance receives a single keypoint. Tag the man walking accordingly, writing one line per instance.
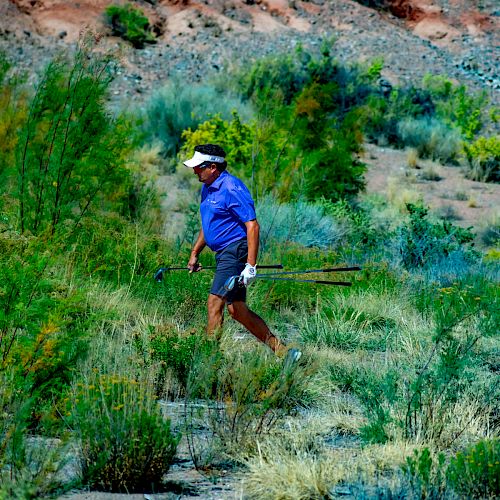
(229, 228)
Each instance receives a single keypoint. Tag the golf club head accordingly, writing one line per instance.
(158, 276)
(231, 283)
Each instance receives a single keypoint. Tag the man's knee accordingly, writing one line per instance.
(215, 305)
(237, 310)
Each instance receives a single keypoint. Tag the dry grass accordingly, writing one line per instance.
(399, 195)
(412, 157)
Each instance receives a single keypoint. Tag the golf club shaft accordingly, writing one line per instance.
(311, 271)
(295, 280)
(271, 266)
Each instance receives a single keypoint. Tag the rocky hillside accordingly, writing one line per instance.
(414, 37)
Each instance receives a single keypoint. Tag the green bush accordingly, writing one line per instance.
(177, 107)
(177, 350)
(126, 444)
(426, 474)
(423, 242)
(71, 152)
(456, 106)
(483, 159)
(475, 472)
(234, 136)
(131, 24)
(431, 138)
(246, 394)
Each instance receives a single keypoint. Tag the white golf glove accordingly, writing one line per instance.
(248, 274)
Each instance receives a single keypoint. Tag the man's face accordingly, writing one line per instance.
(207, 175)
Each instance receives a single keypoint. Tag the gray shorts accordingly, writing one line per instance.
(230, 262)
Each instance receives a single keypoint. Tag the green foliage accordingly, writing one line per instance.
(475, 472)
(12, 115)
(483, 159)
(130, 23)
(28, 465)
(43, 321)
(455, 106)
(471, 473)
(431, 138)
(423, 242)
(426, 474)
(246, 394)
(234, 136)
(126, 443)
(71, 152)
(177, 107)
(176, 350)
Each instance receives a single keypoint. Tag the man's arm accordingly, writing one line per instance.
(253, 241)
(197, 248)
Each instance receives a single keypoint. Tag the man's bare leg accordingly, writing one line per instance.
(255, 325)
(215, 306)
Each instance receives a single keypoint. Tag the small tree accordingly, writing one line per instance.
(71, 151)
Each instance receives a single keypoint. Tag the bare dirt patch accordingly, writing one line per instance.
(464, 202)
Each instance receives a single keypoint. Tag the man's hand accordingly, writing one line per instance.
(248, 274)
(193, 265)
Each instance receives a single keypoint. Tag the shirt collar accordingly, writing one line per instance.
(217, 183)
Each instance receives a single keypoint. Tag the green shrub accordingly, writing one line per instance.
(176, 350)
(234, 136)
(246, 394)
(43, 321)
(71, 151)
(456, 106)
(426, 474)
(431, 138)
(475, 472)
(13, 112)
(423, 242)
(131, 24)
(177, 107)
(126, 444)
(483, 159)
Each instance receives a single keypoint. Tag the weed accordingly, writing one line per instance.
(426, 474)
(246, 395)
(430, 173)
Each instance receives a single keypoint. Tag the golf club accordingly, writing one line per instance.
(236, 281)
(158, 275)
(311, 271)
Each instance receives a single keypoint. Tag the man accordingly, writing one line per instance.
(229, 228)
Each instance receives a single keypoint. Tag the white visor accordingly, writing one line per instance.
(199, 158)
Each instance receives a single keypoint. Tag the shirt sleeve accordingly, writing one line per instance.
(240, 203)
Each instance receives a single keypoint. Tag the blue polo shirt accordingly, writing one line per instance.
(225, 207)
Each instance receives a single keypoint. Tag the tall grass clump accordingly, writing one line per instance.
(71, 152)
(431, 138)
(423, 400)
(301, 223)
(246, 394)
